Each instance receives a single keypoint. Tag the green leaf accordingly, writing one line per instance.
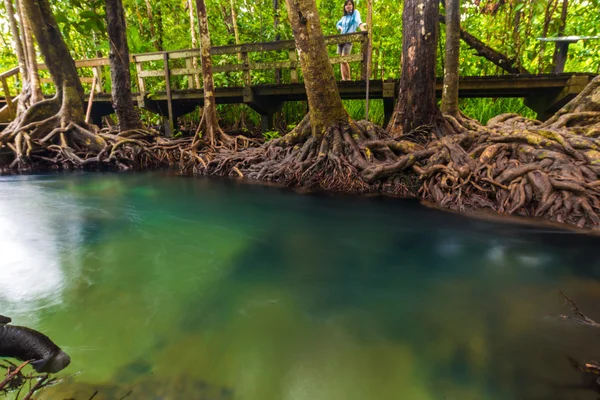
(88, 14)
(61, 18)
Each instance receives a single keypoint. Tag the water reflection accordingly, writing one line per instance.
(35, 225)
(191, 288)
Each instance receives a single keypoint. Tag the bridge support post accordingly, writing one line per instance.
(266, 108)
(546, 104)
(389, 100)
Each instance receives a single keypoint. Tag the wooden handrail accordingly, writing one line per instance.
(9, 73)
(243, 49)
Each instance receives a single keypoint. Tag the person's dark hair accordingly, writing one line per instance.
(346, 2)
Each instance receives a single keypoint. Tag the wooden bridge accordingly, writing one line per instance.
(178, 75)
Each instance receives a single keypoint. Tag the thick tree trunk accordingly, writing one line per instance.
(58, 59)
(416, 106)
(119, 67)
(450, 88)
(326, 108)
(508, 64)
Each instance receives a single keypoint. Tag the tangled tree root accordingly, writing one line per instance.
(56, 142)
(15, 380)
(513, 165)
(331, 161)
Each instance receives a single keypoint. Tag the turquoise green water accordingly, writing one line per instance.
(163, 287)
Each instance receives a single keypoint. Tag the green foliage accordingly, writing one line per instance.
(485, 108)
(270, 135)
(166, 24)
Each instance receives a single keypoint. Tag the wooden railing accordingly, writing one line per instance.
(246, 66)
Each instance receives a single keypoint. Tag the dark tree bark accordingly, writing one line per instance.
(508, 64)
(416, 106)
(450, 88)
(119, 67)
(58, 59)
(561, 27)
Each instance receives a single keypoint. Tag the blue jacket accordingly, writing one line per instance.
(349, 23)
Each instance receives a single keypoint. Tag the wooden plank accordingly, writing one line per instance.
(148, 57)
(186, 71)
(184, 53)
(347, 38)
(348, 59)
(169, 97)
(293, 56)
(246, 61)
(154, 72)
(364, 52)
(9, 73)
(97, 71)
(92, 62)
(9, 102)
(188, 64)
(141, 82)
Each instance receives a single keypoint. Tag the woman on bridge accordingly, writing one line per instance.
(348, 24)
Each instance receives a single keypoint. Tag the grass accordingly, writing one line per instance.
(481, 109)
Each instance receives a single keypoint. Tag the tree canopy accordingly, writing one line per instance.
(164, 24)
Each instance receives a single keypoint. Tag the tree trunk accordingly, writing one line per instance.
(516, 37)
(57, 58)
(194, 40)
(236, 33)
(16, 38)
(450, 87)
(277, 35)
(21, 58)
(119, 67)
(509, 64)
(32, 69)
(561, 27)
(416, 106)
(209, 116)
(154, 38)
(326, 108)
(548, 13)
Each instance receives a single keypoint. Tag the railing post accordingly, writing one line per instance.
(169, 98)
(97, 71)
(190, 65)
(246, 60)
(9, 103)
(294, 61)
(141, 82)
(364, 49)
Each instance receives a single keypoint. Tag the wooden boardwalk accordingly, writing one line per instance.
(253, 63)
